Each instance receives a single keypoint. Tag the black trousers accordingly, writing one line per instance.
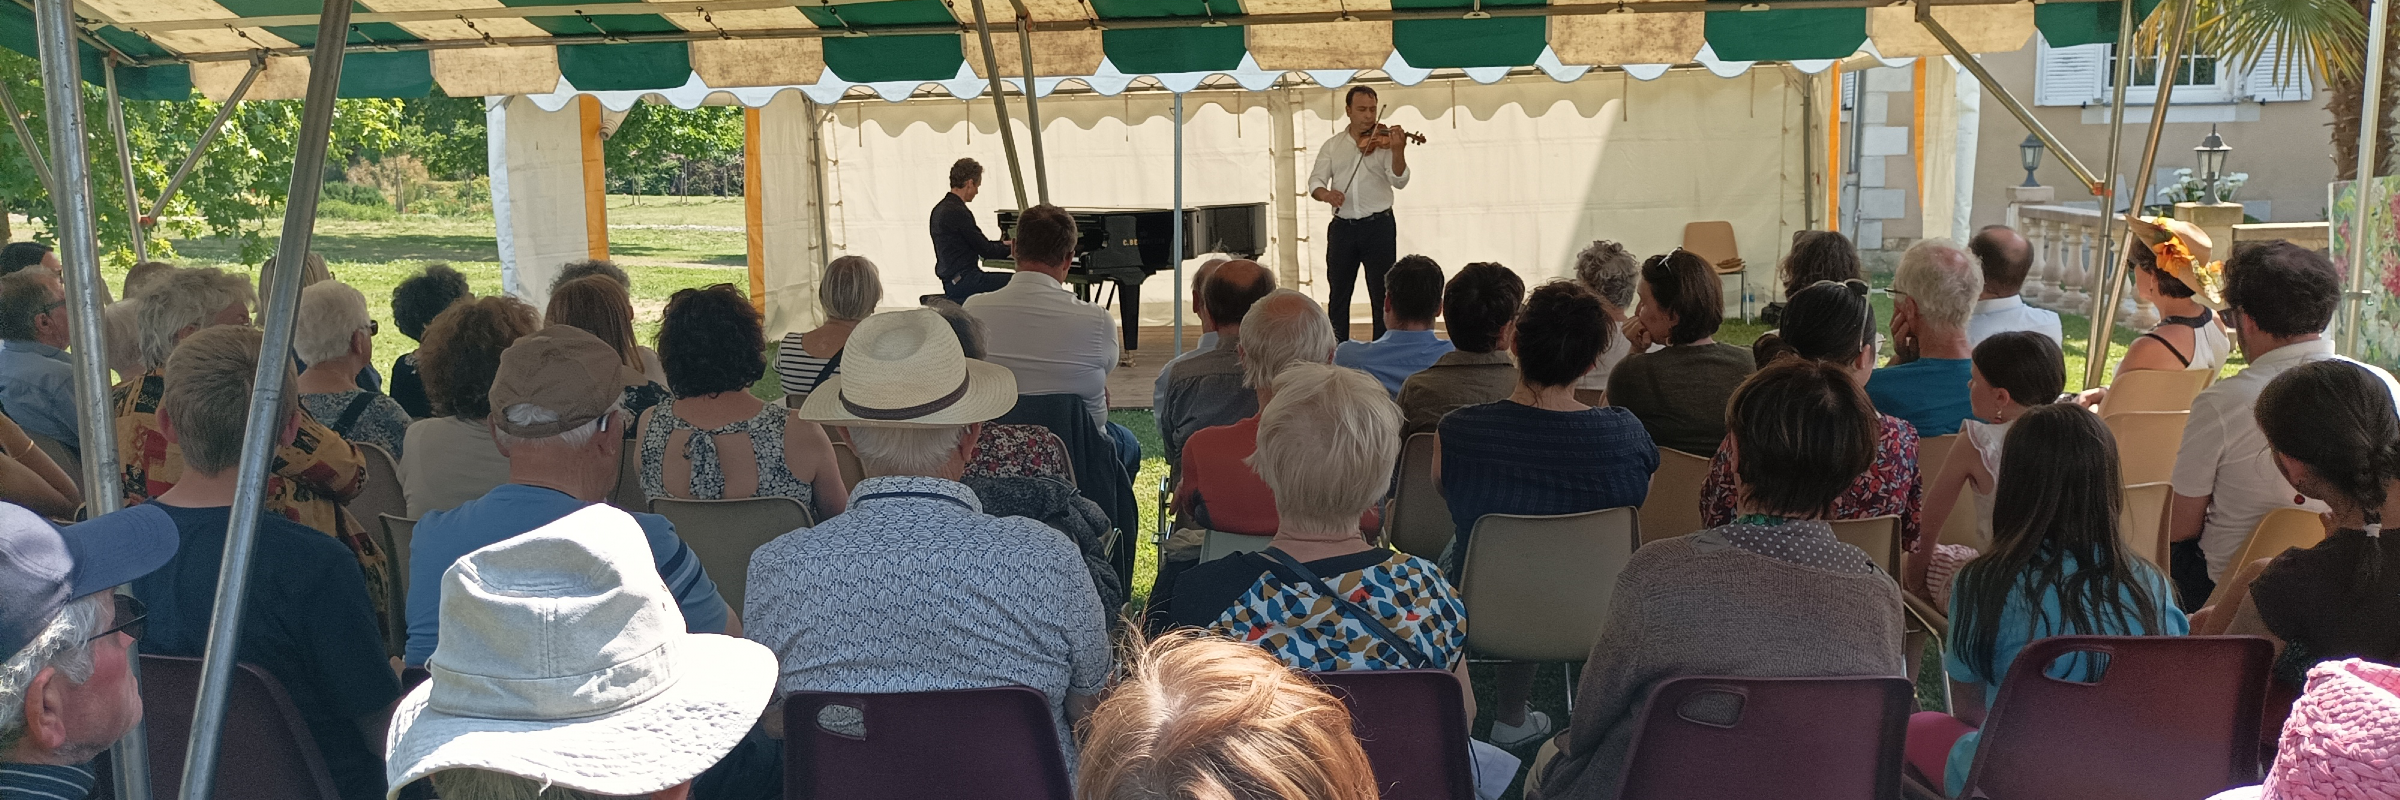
(1371, 242)
(969, 284)
(2187, 566)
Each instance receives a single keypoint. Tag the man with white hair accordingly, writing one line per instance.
(65, 688)
(555, 417)
(1207, 389)
(1933, 297)
(37, 381)
(335, 337)
(915, 588)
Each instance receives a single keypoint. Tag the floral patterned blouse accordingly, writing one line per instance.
(1890, 486)
(1020, 451)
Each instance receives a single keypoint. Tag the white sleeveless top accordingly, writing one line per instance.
(1985, 437)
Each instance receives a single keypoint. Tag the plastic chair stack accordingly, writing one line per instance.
(723, 533)
(994, 744)
(1705, 738)
(1413, 724)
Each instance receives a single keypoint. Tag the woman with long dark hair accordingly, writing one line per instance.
(2056, 567)
(2336, 437)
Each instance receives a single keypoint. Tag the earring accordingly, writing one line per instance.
(2299, 499)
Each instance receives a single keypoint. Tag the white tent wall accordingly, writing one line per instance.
(1524, 172)
(786, 234)
(537, 194)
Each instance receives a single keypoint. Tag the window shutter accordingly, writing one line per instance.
(2267, 81)
(2070, 76)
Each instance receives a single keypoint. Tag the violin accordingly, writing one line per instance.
(1381, 136)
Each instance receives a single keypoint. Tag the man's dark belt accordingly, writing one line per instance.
(1377, 216)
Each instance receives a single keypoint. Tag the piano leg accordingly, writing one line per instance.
(1129, 307)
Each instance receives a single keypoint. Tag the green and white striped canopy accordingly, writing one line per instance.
(405, 48)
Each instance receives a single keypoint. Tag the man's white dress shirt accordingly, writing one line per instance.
(2003, 314)
(1055, 343)
(1366, 183)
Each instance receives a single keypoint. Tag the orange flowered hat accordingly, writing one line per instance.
(2182, 250)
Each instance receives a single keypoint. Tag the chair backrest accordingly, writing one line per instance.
(1712, 241)
(2282, 529)
(1702, 738)
(1673, 507)
(723, 533)
(2168, 718)
(1221, 544)
(2142, 522)
(997, 744)
(60, 455)
(1413, 724)
(2155, 390)
(264, 750)
(1879, 536)
(1960, 528)
(2146, 443)
(395, 533)
(1538, 588)
(382, 493)
(629, 495)
(847, 460)
(1419, 523)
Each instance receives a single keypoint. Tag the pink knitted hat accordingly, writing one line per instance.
(2342, 741)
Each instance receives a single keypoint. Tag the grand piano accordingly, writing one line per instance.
(1125, 246)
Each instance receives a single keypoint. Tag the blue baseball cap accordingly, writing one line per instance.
(44, 567)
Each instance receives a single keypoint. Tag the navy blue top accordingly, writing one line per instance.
(307, 622)
(1509, 458)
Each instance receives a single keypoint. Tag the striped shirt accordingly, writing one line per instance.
(1510, 458)
(45, 782)
(800, 372)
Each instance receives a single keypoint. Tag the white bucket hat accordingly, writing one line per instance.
(563, 659)
(904, 369)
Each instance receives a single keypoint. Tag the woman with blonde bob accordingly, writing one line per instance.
(1213, 719)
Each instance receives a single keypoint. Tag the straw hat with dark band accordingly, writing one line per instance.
(904, 369)
(2182, 250)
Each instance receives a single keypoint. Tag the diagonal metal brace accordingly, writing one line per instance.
(2015, 107)
(257, 64)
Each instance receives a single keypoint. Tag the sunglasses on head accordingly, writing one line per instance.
(129, 618)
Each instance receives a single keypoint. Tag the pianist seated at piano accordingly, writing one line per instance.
(958, 244)
(1053, 341)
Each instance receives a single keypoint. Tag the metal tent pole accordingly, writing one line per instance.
(133, 197)
(33, 155)
(1175, 244)
(266, 400)
(215, 126)
(2370, 124)
(2114, 243)
(816, 172)
(1033, 109)
(1992, 85)
(79, 251)
(2112, 277)
(991, 76)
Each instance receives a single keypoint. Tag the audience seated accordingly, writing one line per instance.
(1200, 717)
(599, 306)
(914, 588)
(1772, 595)
(1209, 388)
(1834, 323)
(714, 440)
(415, 302)
(1208, 331)
(572, 270)
(2187, 336)
(2005, 257)
(310, 620)
(2056, 567)
(37, 379)
(315, 470)
(451, 458)
(615, 699)
(1219, 489)
(554, 412)
(334, 336)
(2279, 297)
(67, 688)
(19, 255)
(1412, 297)
(2332, 426)
(1052, 342)
(1933, 296)
(1479, 306)
(29, 478)
(847, 292)
(1679, 389)
(1006, 451)
(1540, 452)
(2012, 373)
(1815, 256)
(1327, 443)
(2339, 739)
(1612, 273)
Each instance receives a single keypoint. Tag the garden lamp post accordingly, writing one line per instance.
(2030, 153)
(2212, 152)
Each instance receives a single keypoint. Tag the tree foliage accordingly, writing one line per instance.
(661, 149)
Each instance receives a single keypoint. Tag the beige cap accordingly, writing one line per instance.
(561, 368)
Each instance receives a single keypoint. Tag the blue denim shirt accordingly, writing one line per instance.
(37, 386)
(1392, 357)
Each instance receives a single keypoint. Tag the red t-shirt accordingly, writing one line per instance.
(1219, 492)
